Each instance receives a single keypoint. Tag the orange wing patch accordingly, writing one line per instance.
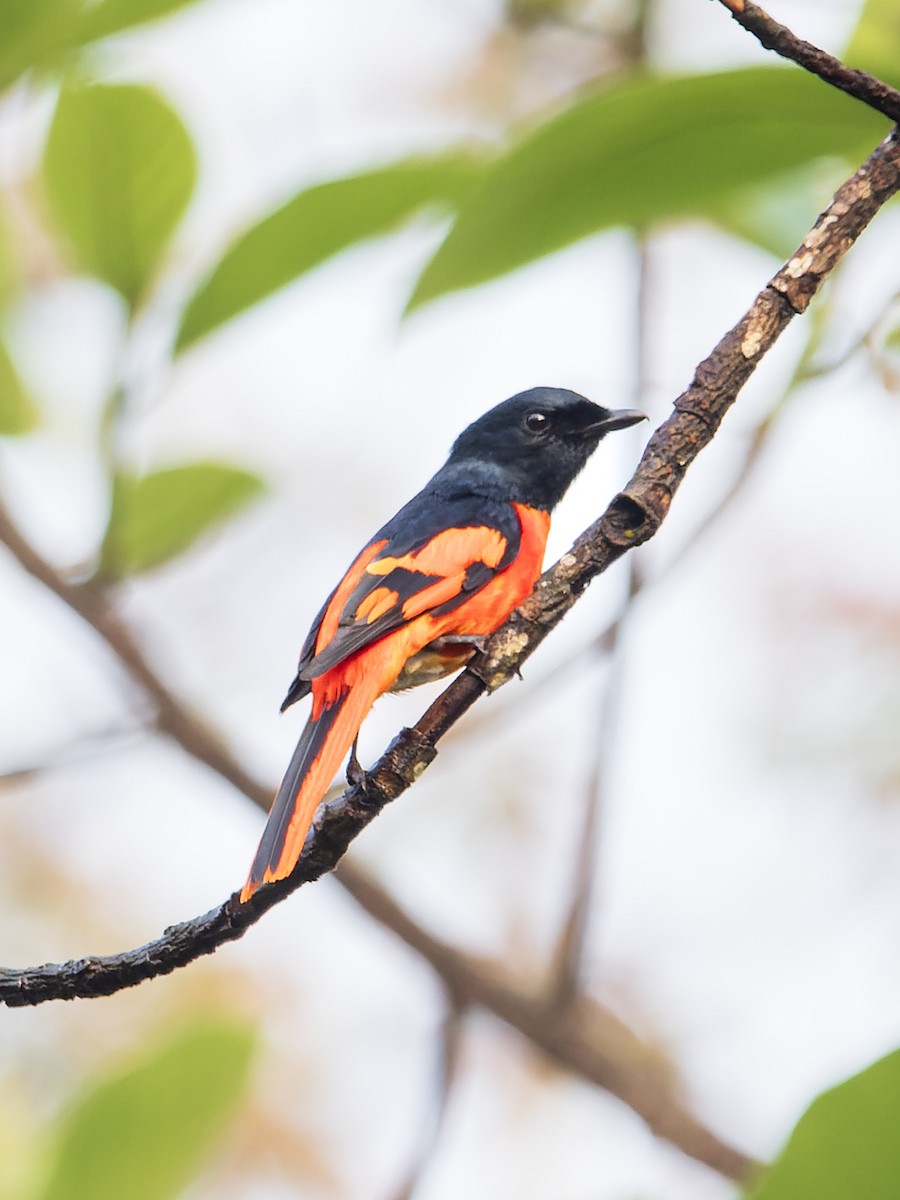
(433, 595)
(332, 616)
(456, 582)
(376, 604)
(448, 553)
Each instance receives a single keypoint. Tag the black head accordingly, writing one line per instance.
(536, 443)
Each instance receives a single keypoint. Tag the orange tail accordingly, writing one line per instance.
(315, 762)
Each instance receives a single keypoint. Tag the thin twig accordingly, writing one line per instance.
(95, 603)
(667, 1115)
(634, 516)
(569, 951)
(181, 944)
(450, 1036)
(593, 1045)
(863, 341)
(83, 749)
(631, 519)
(774, 36)
(568, 955)
(587, 1038)
(604, 642)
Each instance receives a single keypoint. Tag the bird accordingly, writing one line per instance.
(430, 586)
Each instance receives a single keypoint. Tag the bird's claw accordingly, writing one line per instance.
(477, 641)
(356, 775)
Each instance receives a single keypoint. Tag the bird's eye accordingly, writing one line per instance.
(537, 422)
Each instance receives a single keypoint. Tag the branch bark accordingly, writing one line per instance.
(774, 36)
(632, 518)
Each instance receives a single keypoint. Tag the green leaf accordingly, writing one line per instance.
(316, 224)
(112, 16)
(145, 1131)
(9, 272)
(875, 45)
(155, 517)
(776, 213)
(119, 170)
(647, 150)
(17, 412)
(845, 1146)
(35, 33)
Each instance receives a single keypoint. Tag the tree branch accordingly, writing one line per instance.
(584, 1037)
(94, 603)
(451, 1036)
(631, 519)
(601, 1040)
(569, 951)
(859, 84)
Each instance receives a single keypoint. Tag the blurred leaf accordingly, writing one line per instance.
(112, 16)
(154, 517)
(143, 1133)
(36, 33)
(8, 266)
(316, 224)
(892, 340)
(17, 412)
(875, 45)
(647, 150)
(845, 1146)
(530, 13)
(776, 214)
(119, 170)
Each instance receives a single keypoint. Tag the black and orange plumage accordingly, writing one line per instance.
(450, 566)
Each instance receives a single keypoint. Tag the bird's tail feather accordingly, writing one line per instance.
(314, 763)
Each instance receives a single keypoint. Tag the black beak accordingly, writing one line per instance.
(617, 418)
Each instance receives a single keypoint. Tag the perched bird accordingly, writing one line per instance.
(432, 583)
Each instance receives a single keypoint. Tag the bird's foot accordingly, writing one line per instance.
(356, 775)
(477, 641)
